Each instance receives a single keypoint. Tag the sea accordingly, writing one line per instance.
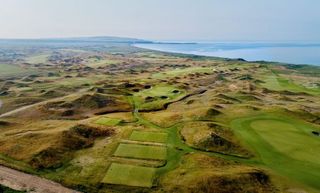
(291, 53)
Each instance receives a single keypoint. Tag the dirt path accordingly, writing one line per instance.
(19, 109)
(21, 181)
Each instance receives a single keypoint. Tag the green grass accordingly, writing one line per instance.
(149, 136)
(108, 121)
(9, 70)
(278, 83)
(156, 92)
(271, 82)
(284, 145)
(130, 175)
(289, 139)
(183, 71)
(141, 151)
(42, 58)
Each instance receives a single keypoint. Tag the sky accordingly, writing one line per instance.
(219, 20)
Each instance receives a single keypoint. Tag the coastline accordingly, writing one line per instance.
(249, 54)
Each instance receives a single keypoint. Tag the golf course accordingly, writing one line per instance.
(111, 117)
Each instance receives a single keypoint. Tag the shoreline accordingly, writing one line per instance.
(205, 54)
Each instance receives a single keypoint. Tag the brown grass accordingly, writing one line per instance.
(76, 138)
(202, 174)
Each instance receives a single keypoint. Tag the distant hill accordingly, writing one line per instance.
(72, 41)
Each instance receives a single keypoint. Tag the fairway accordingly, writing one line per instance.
(283, 144)
(289, 139)
(149, 136)
(271, 82)
(277, 83)
(141, 151)
(42, 58)
(108, 121)
(8, 70)
(130, 175)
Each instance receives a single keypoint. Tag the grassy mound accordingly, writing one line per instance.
(217, 143)
(4, 123)
(9, 190)
(86, 105)
(76, 138)
(94, 101)
(212, 137)
(212, 112)
(50, 158)
(52, 94)
(251, 181)
(202, 174)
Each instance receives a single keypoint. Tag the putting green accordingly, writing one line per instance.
(141, 151)
(130, 175)
(283, 144)
(108, 121)
(149, 136)
(156, 92)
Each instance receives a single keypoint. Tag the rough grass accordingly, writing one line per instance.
(211, 137)
(129, 175)
(76, 138)
(183, 71)
(149, 136)
(95, 63)
(199, 173)
(9, 190)
(141, 151)
(283, 144)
